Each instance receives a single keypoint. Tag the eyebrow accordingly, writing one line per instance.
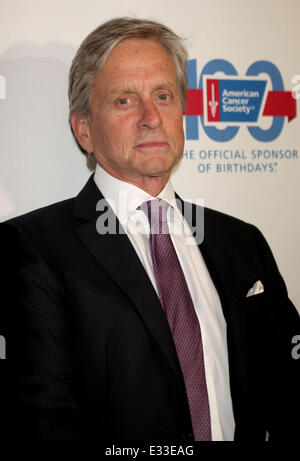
(115, 92)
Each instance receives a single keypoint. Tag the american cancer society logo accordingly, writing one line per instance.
(234, 100)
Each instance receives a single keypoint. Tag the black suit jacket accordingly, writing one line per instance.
(89, 350)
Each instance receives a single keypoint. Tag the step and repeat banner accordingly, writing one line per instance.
(241, 154)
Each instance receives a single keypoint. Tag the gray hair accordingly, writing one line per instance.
(95, 49)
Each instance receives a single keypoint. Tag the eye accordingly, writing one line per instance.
(123, 101)
(164, 97)
(126, 101)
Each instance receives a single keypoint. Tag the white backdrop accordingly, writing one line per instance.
(40, 163)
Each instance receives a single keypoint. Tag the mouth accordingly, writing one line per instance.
(152, 145)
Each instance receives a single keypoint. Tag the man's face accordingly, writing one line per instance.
(136, 114)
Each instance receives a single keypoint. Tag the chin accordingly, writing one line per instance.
(157, 171)
(159, 167)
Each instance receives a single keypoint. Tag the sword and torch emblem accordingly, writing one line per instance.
(213, 104)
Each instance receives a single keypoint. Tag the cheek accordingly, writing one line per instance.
(106, 134)
(178, 133)
(174, 125)
(121, 130)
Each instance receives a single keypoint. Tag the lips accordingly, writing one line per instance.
(152, 145)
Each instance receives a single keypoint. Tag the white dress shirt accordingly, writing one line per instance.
(124, 199)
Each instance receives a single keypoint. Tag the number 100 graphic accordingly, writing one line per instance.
(227, 134)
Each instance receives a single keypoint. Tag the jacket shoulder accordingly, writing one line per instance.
(55, 211)
(45, 228)
(221, 220)
(239, 236)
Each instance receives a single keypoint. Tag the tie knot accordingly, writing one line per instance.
(156, 212)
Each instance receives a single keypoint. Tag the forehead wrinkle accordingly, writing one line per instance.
(126, 72)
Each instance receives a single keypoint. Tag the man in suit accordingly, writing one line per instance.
(117, 332)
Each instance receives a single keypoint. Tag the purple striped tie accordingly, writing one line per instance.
(179, 309)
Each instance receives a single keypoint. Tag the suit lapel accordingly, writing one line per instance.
(214, 252)
(219, 264)
(115, 253)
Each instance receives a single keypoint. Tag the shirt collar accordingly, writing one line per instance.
(124, 198)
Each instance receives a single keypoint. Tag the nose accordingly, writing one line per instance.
(150, 116)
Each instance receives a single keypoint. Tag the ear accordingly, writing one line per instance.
(82, 131)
